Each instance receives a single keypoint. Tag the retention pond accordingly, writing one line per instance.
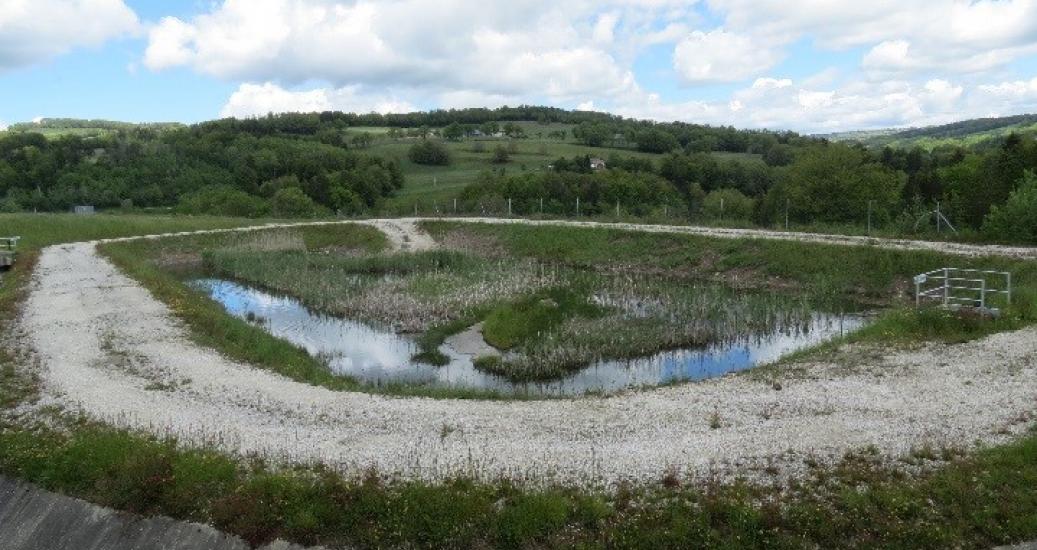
(381, 357)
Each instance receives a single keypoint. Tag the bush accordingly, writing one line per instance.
(430, 153)
(291, 202)
(728, 204)
(1016, 220)
(833, 184)
(500, 155)
(223, 201)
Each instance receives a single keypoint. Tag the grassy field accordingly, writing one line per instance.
(974, 501)
(432, 187)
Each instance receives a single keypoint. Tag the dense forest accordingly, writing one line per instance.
(201, 169)
(322, 163)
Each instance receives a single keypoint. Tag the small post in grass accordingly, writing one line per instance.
(786, 214)
(577, 206)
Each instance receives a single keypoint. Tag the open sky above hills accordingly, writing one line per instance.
(811, 66)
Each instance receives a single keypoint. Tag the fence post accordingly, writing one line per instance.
(509, 208)
(938, 216)
(617, 209)
(869, 217)
(983, 292)
(721, 209)
(541, 205)
(946, 286)
(786, 214)
(455, 206)
(577, 206)
(1008, 286)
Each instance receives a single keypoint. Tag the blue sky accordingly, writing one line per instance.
(811, 66)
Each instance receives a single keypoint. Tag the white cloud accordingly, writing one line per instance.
(721, 56)
(604, 29)
(1018, 89)
(922, 62)
(953, 35)
(558, 50)
(890, 54)
(781, 103)
(1010, 97)
(261, 99)
(167, 44)
(32, 31)
(3, 126)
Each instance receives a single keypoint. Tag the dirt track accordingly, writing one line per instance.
(111, 350)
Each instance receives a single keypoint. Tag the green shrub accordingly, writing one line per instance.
(728, 204)
(291, 202)
(430, 153)
(223, 201)
(1016, 220)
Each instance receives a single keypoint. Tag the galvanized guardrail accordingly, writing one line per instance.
(958, 287)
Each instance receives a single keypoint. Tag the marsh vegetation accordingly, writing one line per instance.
(557, 305)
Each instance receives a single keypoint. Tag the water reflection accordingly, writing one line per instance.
(380, 357)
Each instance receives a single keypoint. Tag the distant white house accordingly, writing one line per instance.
(597, 164)
(83, 209)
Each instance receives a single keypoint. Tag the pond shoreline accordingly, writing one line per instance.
(377, 357)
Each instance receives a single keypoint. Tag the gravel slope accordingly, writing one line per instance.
(106, 344)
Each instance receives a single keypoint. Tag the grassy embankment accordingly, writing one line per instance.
(973, 502)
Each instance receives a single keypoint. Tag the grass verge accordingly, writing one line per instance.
(973, 502)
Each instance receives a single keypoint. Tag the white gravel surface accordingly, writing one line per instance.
(112, 351)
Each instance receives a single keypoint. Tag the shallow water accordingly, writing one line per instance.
(378, 357)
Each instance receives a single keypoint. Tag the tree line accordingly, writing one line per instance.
(990, 192)
(200, 169)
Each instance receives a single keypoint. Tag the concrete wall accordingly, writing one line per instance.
(34, 519)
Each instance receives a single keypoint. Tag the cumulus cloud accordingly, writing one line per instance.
(557, 49)
(32, 31)
(1018, 89)
(781, 103)
(721, 56)
(922, 62)
(261, 99)
(955, 35)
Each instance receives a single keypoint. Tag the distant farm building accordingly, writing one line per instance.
(597, 164)
(83, 209)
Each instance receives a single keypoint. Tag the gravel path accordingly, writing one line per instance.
(111, 350)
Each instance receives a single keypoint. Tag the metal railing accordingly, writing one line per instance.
(958, 287)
